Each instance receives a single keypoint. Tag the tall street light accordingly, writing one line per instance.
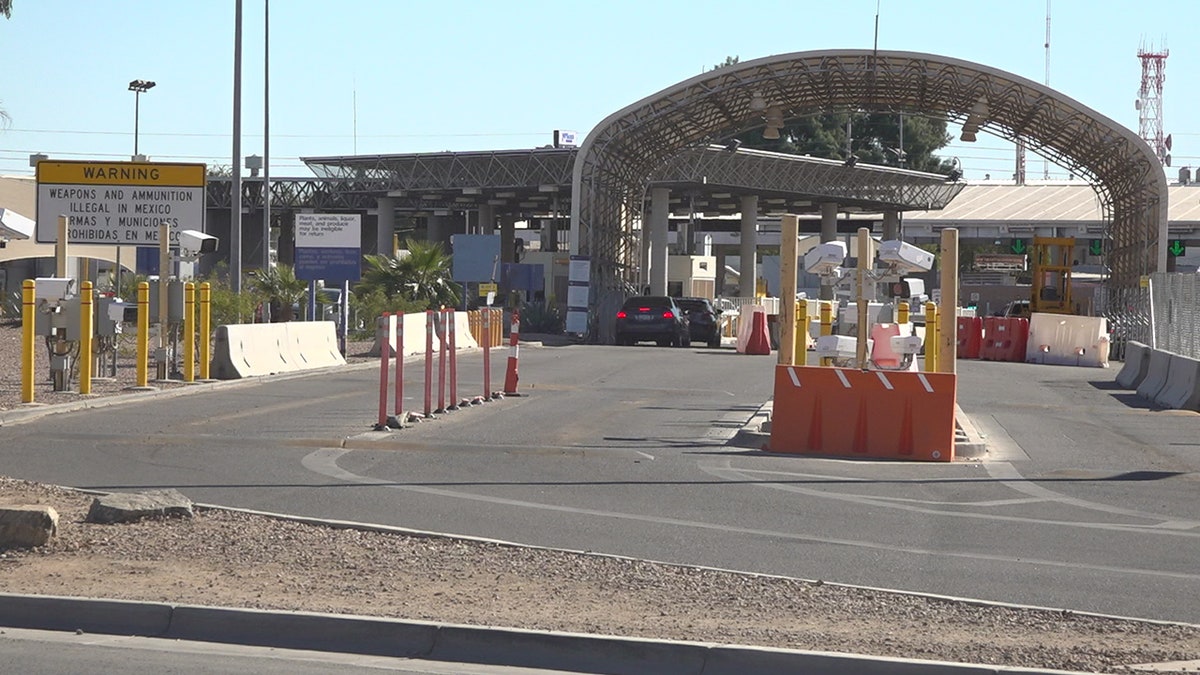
(138, 87)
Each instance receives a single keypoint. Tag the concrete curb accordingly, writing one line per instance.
(486, 645)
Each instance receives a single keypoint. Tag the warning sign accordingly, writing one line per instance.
(118, 203)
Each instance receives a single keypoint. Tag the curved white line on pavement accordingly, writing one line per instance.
(324, 462)
(727, 472)
(1009, 476)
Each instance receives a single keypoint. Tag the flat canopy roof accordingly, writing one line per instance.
(710, 179)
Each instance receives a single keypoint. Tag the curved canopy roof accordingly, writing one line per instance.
(622, 154)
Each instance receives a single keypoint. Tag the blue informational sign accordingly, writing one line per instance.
(330, 264)
(328, 246)
(147, 260)
(476, 257)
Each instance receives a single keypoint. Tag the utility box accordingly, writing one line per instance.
(174, 301)
(110, 313)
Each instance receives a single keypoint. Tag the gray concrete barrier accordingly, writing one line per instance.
(1156, 374)
(1137, 363)
(1180, 391)
(255, 349)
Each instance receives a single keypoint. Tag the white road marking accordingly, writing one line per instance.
(324, 462)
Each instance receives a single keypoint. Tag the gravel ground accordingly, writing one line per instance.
(234, 559)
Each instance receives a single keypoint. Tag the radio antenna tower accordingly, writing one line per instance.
(1149, 102)
(1046, 162)
(1019, 174)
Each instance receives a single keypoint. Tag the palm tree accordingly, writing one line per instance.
(282, 289)
(421, 272)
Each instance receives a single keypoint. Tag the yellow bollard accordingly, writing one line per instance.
(28, 312)
(800, 355)
(826, 323)
(143, 334)
(205, 328)
(931, 337)
(189, 332)
(902, 312)
(85, 338)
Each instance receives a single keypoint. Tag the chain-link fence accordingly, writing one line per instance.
(1165, 314)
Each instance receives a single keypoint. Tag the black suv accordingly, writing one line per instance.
(703, 319)
(652, 317)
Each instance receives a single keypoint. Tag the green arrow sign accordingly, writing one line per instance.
(1018, 246)
(1177, 248)
(1096, 246)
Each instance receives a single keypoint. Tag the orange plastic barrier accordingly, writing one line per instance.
(970, 336)
(1004, 339)
(759, 344)
(846, 412)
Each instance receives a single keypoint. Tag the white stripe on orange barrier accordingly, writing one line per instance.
(925, 382)
(514, 351)
(842, 377)
(795, 380)
(884, 380)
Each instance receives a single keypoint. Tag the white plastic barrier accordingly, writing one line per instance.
(1064, 340)
(746, 325)
(1137, 362)
(1180, 391)
(1156, 375)
(254, 349)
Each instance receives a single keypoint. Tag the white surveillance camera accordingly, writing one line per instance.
(906, 344)
(825, 259)
(839, 346)
(905, 258)
(52, 290)
(194, 243)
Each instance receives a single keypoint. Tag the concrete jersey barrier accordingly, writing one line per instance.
(1156, 374)
(414, 334)
(255, 349)
(1137, 362)
(1180, 391)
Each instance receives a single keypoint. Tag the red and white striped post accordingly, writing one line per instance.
(399, 333)
(514, 351)
(487, 353)
(441, 318)
(429, 320)
(453, 332)
(385, 349)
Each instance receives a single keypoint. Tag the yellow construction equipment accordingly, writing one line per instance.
(1051, 258)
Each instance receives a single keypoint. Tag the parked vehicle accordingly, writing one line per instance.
(652, 317)
(703, 320)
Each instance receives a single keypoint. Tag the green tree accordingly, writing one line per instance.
(874, 137)
(421, 272)
(282, 289)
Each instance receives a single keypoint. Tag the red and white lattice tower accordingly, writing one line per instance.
(1149, 103)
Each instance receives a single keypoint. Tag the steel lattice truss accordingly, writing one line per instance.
(623, 153)
(807, 181)
(295, 193)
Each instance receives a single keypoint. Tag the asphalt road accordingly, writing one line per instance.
(1087, 502)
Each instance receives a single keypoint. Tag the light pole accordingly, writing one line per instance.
(138, 87)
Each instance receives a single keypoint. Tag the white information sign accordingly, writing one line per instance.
(328, 230)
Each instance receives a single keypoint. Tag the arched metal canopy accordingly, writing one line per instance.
(622, 154)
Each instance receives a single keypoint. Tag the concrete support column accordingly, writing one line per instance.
(487, 219)
(683, 238)
(891, 225)
(385, 225)
(719, 252)
(508, 235)
(660, 207)
(829, 211)
(748, 265)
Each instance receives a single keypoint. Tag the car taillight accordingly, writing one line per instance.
(668, 315)
(621, 314)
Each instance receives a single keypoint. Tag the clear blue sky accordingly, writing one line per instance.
(488, 74)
